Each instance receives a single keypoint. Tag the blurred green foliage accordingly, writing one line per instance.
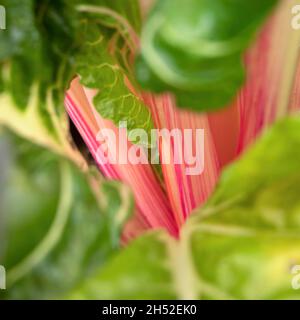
(241, 245)
(55, 231)
(58, 239)
(194, 49)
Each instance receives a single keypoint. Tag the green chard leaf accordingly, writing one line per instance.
(195, 51)
(105, 63)
(61, 232)
(36, 58)
(46, 44)
(35, 48)
(129, 10)
(242, 245)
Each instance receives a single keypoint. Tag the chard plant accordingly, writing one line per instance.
(77, 225)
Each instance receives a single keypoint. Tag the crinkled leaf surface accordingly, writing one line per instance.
(105, 63)
(242, 245)
(195, 50)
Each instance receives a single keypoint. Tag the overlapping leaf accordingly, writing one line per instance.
(47, 43)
